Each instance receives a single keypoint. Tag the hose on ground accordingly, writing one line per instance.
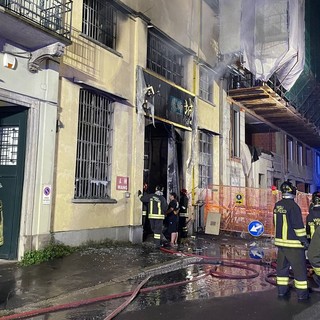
(81, 303)
(232, 263)
(127, 302)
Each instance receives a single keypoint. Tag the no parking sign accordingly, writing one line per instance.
(46, 194)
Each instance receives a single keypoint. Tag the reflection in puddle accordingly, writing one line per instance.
(205, 287)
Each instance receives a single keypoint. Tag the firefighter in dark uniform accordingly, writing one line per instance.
(157, 206)
(145, 221)
(291, 241)
(313, 234)
(183, 215)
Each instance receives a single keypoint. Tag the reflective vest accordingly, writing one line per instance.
(157, 205)
(289, 228)
(313, 221)
(183, 204)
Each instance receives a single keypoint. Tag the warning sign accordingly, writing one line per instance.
(239, 198)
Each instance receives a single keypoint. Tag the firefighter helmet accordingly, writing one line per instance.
(316, 199)
(288, 190)
(159, 188)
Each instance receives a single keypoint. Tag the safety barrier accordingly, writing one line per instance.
(238, 206)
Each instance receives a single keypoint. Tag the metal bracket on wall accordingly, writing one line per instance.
(48, 52)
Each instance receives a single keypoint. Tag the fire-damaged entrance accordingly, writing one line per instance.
(162, 160)
(168, 110)
(162, 157)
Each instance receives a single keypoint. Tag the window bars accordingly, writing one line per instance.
(94, 146)
(54, 15)
(99, 22)
(205, 159)
(9, 137)
(164, 59)
(205, 84)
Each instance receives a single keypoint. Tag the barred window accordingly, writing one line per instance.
(164, 59)
(99, 22)
(9, 137)
(94, 144)
(205, 84)
(205, 160)
(235, 132)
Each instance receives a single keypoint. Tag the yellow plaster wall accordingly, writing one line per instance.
(113, 72)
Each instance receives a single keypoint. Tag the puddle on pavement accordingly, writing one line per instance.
(204, 288)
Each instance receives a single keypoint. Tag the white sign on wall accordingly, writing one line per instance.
(46, 194)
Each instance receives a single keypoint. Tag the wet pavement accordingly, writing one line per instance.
(226, 275)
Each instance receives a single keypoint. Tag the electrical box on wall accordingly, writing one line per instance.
(9, 61)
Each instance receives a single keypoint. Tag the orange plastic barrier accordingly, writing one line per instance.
(239, 206)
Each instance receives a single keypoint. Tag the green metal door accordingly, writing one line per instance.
(12, 154)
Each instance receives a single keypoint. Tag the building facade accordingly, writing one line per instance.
(32, 38)
(136, 104)
(136, 92)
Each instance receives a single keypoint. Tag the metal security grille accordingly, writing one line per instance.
(93, 146)
(9, 145)
(99, 22)
(205, 84)
(54, 15)
(164, 59)
(206, 159)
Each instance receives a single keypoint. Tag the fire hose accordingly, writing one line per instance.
(232, 263)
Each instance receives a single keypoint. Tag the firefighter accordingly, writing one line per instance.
(157, 206)
(183, 214)
(291, 241)
(313, 234)
(145, 221)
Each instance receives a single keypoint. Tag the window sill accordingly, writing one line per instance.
(207, 101)
(235, 159)
(107, 200)
(101, 45)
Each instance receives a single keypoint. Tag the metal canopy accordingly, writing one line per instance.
(263, 102)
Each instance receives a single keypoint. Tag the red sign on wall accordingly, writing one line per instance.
(122, 183)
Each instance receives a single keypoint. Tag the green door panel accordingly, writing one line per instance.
(12, 156)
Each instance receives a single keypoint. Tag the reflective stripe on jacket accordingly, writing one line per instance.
(289, 227)
(157, 205)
